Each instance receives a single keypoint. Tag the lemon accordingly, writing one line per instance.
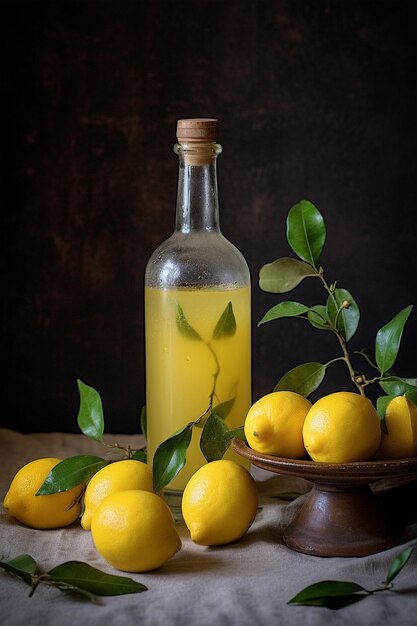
(51, 511)
(135, 531)
(342, 427)
(219, 503)
(117, 476)
(401, 422)
(274, 424)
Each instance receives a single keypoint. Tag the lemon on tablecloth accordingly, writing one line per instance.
(50, 511)
(135, 531)
(219, 503)
(117, 476)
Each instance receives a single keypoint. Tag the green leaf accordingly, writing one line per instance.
(88, 578)
(143, 421)
(382, 404)
(396, 386)
(223, 409)
(388, 339)
(215, 438)
(332, 594)
(76, 470)
(333, 602)
(283, 275)
(170, 457)
(306, 231)
(238, 433)
(411, 381)
(184, 327)
(284, 309)
(317, 316)
(226, 325)
(397, 564)
(23, 566)
(381, 408)
(140, 455)
(303, 379)
(348, 318)
(411, 395)
(90, 416)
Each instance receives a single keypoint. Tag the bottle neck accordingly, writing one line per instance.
(197, 196)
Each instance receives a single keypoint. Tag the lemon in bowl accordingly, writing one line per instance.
(399, 439)
(274, 424)
(342, 427)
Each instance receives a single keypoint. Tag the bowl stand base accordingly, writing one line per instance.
(341, 520)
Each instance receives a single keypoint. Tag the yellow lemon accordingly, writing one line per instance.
(401, 422)
(342, 427)
(117, 476)
(274, 424)
(52, 511)
(135, 531)
(219, 503)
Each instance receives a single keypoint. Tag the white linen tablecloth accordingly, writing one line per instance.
(243, 584)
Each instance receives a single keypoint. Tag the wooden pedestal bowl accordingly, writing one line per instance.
(342, 515)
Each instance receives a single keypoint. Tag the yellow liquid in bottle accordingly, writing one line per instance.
(181, 371)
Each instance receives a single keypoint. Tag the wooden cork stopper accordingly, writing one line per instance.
(198, 130)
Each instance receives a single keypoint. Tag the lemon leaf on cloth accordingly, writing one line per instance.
(23, 566)
(72, 576)
(332, 594)
(336, 594)
(397, 564)
(87, 578)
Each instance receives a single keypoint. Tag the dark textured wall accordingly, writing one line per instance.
(317, 99)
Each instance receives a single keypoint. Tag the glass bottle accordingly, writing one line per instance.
(193, 279)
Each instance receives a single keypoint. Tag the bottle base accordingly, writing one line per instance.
(173, 498)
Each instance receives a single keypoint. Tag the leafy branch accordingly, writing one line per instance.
(79, 469)
(336, 594)
(91, 419)
(72, 576)
(340, 314)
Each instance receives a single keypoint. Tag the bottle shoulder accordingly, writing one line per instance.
(196, 259)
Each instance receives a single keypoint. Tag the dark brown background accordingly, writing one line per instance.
(317, 99)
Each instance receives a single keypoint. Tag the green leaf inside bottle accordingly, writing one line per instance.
(226, 326)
